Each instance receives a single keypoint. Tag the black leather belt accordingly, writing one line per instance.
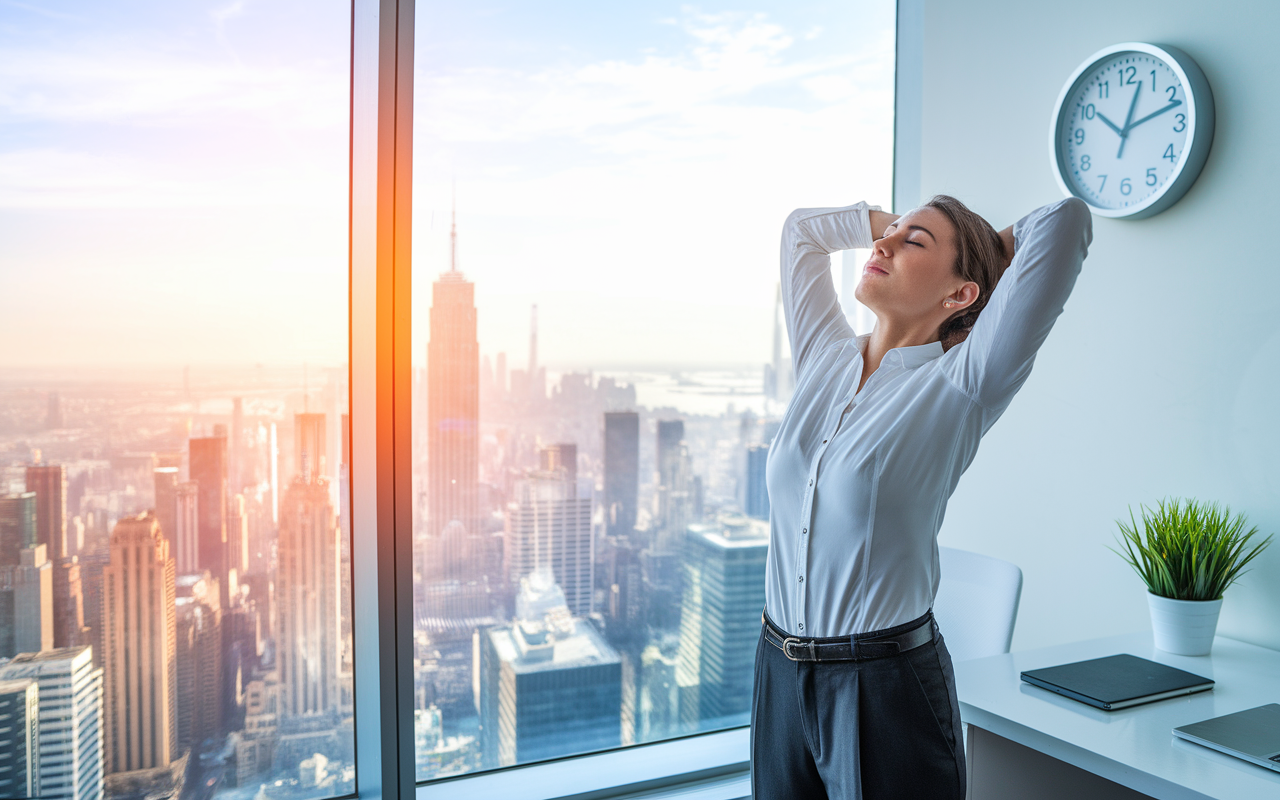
(858, 647)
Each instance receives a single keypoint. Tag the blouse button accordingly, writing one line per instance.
(801, 625)
(804, 530)
(802, 579)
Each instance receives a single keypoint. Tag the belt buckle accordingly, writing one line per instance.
(792, 641)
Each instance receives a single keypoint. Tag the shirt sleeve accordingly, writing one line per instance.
(809, 301)
(1050, 245)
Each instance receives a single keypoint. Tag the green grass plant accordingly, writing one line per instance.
(1188, 550)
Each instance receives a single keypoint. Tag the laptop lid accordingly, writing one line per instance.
(1117, 681)
(1253, 734)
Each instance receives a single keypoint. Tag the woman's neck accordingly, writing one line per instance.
(888, 335)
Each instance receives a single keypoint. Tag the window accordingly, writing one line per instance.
(597, 360)
(174, 562)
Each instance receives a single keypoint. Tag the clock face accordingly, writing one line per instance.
(1123, 130)
(1132, 129)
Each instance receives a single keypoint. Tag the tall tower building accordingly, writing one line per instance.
(50, 486)
(549, 527)
(235, 448)
(670, 435)
(307, 605)
(70, 720)
(186, 527)
(453, 403)
(19, 738)
(199, 659)
(756, 494)
(549, 684)
(720, 620)
(310, 458)
(26, 603)
(166, 487)
(140, 647)
(17, 525)
(209, 471)
(621, 470)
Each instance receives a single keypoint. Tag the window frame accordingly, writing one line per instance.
(712, 765)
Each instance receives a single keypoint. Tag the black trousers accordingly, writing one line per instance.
(876, 729)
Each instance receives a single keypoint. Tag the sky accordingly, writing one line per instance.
(173, 175)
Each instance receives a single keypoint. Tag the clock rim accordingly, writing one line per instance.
(1200, 128)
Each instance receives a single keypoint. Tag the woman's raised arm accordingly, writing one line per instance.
(809, 301)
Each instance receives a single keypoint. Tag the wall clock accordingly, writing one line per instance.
(1132, 129)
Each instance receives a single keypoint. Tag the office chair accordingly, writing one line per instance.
(977, 603)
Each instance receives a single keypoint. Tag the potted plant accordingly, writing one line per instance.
(1188, 553)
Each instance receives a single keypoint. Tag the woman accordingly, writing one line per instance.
(854, 691)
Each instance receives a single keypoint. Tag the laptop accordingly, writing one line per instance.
(1117, 681)
(1253, 735)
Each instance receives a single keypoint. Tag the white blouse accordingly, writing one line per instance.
(858, 483)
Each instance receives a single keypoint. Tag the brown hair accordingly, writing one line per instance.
(980, 258)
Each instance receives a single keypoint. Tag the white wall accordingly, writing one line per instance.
(1163, 376)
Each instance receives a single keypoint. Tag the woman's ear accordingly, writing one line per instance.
(963, 297)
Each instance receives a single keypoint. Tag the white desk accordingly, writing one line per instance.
(1038, 733)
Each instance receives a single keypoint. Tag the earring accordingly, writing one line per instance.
(947, 304)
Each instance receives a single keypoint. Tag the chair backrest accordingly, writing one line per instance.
(977, 603)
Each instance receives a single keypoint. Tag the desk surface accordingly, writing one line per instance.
(1134, 747)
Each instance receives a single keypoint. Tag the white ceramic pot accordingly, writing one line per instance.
(1184, 627)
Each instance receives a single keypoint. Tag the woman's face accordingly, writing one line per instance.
(911, 271)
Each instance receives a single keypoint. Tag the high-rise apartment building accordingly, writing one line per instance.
(621, 471)
(208, 456)
(70, 719)
(756, 491)
(140, 647)
(26, 603)
(453, 403)
(19, 738)
(720, 620)
(550, 685)
(549, 525)
(199, 659)
(307, 605)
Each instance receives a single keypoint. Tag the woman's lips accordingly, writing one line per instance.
(875, 269)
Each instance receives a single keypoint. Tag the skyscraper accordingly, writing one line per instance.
(166, 487)
(19, 738)
(560, 458)
(199, 659)
(71, 723)
(670, 435)
(453, 402)
(549, 525)
(621, 470)
(720, 620)
(26, 603)
(756, 494)
(550, 685)
(17, 525)
(50, 486)
(186, 533)
(310, 457)
(49, 482)
(140, 647)
(209, 471)
(307, 615)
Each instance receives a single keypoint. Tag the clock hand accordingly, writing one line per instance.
(1155, 114)
(1110, 124)
(1124, 134)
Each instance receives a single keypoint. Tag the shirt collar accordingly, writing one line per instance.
(908, 357)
